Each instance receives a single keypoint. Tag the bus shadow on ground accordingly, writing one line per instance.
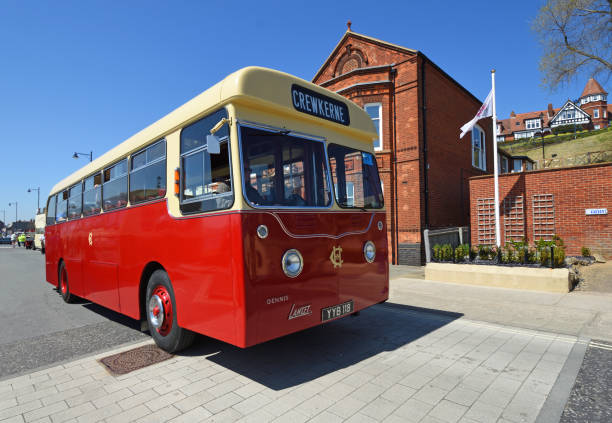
(110, 314)
(310, 354)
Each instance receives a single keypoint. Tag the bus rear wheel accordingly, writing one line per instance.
(161, 315)
(63, 287)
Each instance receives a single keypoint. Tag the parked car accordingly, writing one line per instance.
(5, 240)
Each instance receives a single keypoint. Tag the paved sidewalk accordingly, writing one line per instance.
(392, 364)
(579, 314)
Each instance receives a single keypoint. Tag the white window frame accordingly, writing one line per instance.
(482, 154)
(595, 113)
(350, 194)
(377, 146)
(533, 123)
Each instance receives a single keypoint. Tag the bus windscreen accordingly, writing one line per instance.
(355, 177)
(284, 170)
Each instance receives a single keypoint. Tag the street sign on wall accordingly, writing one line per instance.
(590, 212)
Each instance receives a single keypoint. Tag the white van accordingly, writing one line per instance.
(39, 229)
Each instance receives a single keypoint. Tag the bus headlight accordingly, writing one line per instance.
(369, 251)
(292, 263)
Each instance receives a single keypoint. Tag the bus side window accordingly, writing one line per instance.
(206, 182)
(75, 201)
(51, 210)
(114, 189)
(62, 206)
(148, 173)
(92, 195)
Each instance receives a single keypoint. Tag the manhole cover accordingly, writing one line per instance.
(135, 359)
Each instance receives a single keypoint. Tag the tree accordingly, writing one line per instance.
(577, 37)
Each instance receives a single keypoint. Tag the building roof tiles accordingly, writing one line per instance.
(592, 87)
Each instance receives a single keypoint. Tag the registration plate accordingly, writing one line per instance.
(337, 311)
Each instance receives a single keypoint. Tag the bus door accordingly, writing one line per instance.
(103, 233)
(357, 188)
(72, 237)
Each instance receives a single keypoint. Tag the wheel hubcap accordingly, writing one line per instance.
(160, 310)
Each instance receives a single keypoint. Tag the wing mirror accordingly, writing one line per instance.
(213, 143)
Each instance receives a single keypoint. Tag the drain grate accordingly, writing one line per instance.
(135, 359)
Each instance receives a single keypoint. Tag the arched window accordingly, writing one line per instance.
(479, 157)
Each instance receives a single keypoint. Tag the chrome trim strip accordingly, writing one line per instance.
(342, 235)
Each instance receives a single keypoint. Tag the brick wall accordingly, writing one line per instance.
(449, 157)
(368, 71)
(590, 109)
(560, 197)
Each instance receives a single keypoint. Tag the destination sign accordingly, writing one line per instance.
(319, 105)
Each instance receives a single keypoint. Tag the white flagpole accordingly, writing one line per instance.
(495, 170)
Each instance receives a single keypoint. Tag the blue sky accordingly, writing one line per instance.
(81, 76)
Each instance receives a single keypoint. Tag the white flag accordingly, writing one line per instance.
(485, 110)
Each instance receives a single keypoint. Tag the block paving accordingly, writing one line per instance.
(390, 364)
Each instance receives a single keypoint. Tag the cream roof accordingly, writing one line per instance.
(253, 85)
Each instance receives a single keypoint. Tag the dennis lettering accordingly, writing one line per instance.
(274, 300)
(299, 311)
(315, 104)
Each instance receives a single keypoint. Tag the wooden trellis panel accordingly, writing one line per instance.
(514, 218)
(543, 216)
(486, 221)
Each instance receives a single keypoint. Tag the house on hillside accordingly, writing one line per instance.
(590, 111)
(418, 109)
(512, 164)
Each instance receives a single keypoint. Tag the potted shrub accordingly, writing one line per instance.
(447, 252)
(437, 252)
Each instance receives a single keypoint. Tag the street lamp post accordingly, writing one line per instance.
(10, 205)
(38, 200)
(76, 155)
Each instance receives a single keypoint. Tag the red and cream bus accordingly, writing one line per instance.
(252, 211)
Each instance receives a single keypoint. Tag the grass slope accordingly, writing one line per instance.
(569, 148)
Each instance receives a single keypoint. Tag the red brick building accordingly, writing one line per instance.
(418, 109)
(541, 203)
(590, 111)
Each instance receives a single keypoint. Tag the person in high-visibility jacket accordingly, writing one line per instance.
(21, 239)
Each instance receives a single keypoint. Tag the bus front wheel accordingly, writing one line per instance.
(161, 314)
(63, 286)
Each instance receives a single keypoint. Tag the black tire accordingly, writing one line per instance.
(173, 338)
(63, 286)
